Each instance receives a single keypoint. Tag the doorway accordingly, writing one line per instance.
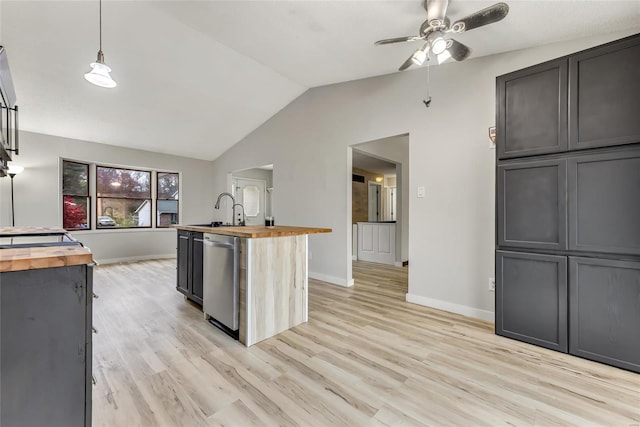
(253, 190)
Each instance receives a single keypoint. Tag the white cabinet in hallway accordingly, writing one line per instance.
(377, 242)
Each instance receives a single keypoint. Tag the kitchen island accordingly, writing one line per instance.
(272, 277)
(46, 328)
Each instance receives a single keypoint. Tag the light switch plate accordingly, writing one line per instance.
(421, 192)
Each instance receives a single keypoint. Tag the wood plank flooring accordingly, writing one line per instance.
(365, 358)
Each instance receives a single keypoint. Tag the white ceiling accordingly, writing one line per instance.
(195, 77)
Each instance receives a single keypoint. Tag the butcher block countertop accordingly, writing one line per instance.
(255, 231)
(28, 231)
(21, 257)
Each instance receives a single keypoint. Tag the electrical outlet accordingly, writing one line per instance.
(492, 284)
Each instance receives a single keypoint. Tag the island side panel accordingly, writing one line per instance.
(276, 286)
(242, 306)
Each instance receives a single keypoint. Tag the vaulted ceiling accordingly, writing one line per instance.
(195, 77)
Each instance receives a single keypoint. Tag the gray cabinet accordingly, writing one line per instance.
(532, 110)
(190, 268)
(45, 351)
(604, 200)
(532, 204)
(570, 194)
(605, 311)
(605, 95)
(531, 298)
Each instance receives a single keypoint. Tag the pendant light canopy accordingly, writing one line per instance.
(99, 74)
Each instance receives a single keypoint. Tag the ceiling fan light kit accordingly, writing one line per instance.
(437, 26)
(99, 74)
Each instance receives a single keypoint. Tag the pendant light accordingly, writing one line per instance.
(99, 74)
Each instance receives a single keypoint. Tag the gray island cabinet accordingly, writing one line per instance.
(568, 204)
(46, 297)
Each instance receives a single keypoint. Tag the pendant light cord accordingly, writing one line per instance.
(428, 74)
(100, 15)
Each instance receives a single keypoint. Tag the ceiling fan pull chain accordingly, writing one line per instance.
(427, 102)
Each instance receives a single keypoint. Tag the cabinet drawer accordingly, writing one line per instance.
(604, 202)
(605, 95)
(532, 205)
(532, 110)
(605, 311)
(531, 298)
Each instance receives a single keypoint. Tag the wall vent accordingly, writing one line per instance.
(357, 178)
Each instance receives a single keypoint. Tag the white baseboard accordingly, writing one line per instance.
(398, 263)
(354, 257)
(464, 310)
(331, 279)
(134, 258)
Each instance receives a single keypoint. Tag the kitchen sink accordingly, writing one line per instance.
(214, 224)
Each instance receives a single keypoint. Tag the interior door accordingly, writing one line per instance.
(251, 193)
(374, 201)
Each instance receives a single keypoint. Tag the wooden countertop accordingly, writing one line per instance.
(19, 259)
(255, 231)
(27, 231)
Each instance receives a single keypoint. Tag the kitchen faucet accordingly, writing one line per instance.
(233, 206)
(244, 217)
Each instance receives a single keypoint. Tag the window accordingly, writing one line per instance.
(75, 196)
(251, 199)
(123, 198)
(167, 199)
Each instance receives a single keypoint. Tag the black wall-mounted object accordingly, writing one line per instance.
(9, 139)
(568, 204)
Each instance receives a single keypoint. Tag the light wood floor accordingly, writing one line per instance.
(365, 358)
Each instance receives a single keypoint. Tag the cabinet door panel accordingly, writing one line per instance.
(43, 348)
(197, 250)
(531, 298)
(183, 262)
(605, 311)
(604, 194)
(532, 204)
(532, 110)
(605, 95)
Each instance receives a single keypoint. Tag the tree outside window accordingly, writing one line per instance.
(75, 196)
(123, 198)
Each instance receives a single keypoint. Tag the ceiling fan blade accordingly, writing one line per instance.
(398, 40)
(458, 51)
(482, 17)
(408, 63)
(436, 9)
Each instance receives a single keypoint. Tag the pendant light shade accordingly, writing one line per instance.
(99, 74)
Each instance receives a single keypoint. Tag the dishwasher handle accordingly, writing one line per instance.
(219, 244)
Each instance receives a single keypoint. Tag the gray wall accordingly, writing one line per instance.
(38, 193)
(452, 228)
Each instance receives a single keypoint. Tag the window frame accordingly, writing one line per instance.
(87, 196)
(150, 199)
(157, 198)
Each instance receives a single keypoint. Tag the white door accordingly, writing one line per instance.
(374, 202)
(250, 193)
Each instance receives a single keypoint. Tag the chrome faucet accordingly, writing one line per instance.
(243, 221)
(233, 206)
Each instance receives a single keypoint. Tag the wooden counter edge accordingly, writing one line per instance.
(255, 231)
(21, 259)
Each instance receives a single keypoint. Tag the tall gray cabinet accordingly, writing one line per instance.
(568, 204)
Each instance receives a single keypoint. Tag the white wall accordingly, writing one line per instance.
(37, 193)
(452, 228)
(396, 149)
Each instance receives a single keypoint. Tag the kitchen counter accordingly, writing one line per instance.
(37, 256)
(255, 231)
(272, 277)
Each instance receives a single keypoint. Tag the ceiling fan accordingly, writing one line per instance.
(435, 29)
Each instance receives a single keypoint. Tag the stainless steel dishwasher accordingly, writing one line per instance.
(221, 281)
